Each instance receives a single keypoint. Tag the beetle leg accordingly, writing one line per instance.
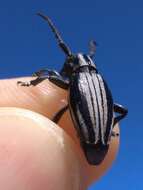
(59, 81)
(33, 82)
(53, 77)
(53, 72)
(45, 72)
(59, 114)
(122, 113)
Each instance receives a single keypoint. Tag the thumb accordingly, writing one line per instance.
(36, 154)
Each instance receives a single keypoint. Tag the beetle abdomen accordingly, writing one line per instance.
(91, 107)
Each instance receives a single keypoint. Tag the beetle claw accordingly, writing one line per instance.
(23, 83)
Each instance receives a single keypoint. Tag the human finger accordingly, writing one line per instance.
(36, 154)
(47, 99)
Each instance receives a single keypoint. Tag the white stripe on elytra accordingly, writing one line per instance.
(104, 103)
(83, 126)
(82, 84)
(85, 89)
(93, 108)
(99, 100)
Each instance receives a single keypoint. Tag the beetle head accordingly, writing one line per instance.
(74, 62)
(68, 66)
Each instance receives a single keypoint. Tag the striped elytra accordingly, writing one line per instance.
(91, 107)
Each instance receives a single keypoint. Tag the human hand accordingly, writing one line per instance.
(35, 153)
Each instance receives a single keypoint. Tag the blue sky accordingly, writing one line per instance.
(27, 44)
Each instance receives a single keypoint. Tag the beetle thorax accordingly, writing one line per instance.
(73, 64)
(83, 60)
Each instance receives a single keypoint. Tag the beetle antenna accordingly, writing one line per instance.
(61, 43)
(92, 48)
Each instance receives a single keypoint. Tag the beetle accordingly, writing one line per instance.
(90, 100)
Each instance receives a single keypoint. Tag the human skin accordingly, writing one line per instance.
(35, 153)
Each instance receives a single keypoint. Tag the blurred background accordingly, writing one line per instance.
(27, 44)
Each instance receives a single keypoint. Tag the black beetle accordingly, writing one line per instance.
(90, 100)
